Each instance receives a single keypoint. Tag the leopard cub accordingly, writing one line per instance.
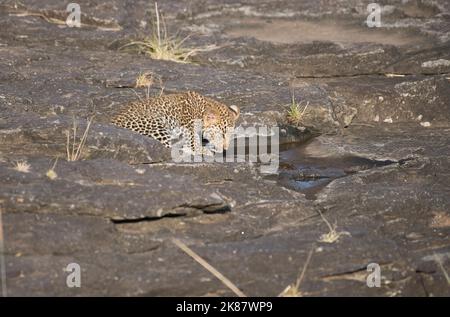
(169, 117)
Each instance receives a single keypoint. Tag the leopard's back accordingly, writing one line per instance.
(159, 117)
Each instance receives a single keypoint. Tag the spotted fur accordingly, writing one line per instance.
(166, 117)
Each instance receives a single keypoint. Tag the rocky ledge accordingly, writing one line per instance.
(375, 98)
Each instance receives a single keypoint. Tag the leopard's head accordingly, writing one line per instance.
(218, 126)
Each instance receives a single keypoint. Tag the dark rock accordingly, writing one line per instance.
(27, 134)
(379, 97)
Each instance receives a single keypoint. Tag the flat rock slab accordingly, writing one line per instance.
(105, 188)
(110, 215)
(56, 136)
(378, 94)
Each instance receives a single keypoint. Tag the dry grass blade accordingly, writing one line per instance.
(441, 266)
(2, 257)
(157, 23)
(333, 235)
(74, 150)
(208, 267)
(139, 97)
(293, 290)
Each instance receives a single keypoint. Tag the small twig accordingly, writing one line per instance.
(293, 290)
(302, 275)
(326, 221)
(74, 137)
(441, 266)
(391, 75)
(140, 99)
(54, 164)
(208, 267)
(2, 258)
(68, 145)
(75, 153)
(161, 85)
(83, 139)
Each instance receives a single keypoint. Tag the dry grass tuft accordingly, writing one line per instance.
(162, 46)
(293, 290)
(144, 80)
(333, 235)
(51, 172)
(147, 80)
(75, 148)
(22, 166)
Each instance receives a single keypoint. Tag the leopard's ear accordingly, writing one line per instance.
(235, 111)
(210, 117)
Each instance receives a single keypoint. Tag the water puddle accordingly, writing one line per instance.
(301, 171)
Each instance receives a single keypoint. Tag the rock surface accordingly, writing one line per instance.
(375, 94)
